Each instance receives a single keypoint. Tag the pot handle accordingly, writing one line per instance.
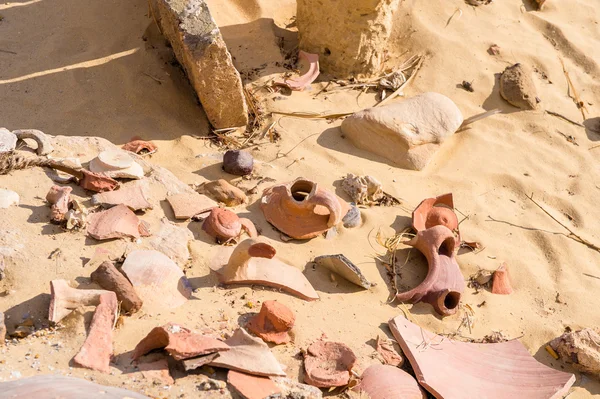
(332, 203)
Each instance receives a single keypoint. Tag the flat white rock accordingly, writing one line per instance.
(8, 198)
(8, 140)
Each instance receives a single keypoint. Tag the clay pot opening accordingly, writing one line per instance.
(451, 300)
(447, 247)
(302, 189)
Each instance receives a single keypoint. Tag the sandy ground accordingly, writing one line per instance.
(100, 68)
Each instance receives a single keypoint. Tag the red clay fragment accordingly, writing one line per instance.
(328, 364)
(501, 281)
(157, 371)
(116, 222)
(252, 262)
(444, 283)
(131, 196)
(97, 182)
(180, 342)
(451, 369)
(140, 146)
(301, 82)
(64, 299)
(187, 205)
(436, 211)
(385, 348)
(273, 323)
(225, 225)
(59, 197)
(108, 277)
(387, 382)
(251, 386)
(97, 349)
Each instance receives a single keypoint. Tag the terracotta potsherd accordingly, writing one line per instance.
(248, 354)
(301, 82)
(108, 277)
(301, 209)
(344, 267)
(180, 342)
(116, 164)
(187, 205)
(328, 364)
(59, 197)
(253, 262)
(97, 182)
(501, 281)
(140, 146)
(444, 284)
(385, 347)
(273, 323)
(64, 299)
(199, 361)
(97, 349)
(251, 386)
(451, 369)
(116, 222)
(131, 196)
(436, 211)
(387, 382)
(225, 225)
(157, 371)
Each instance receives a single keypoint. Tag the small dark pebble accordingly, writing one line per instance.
(468, 86)
(239, 163)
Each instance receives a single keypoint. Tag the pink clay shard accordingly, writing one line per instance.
(444, 283)
(501, 281)
(385, 347)
(251, 386)
(97, 182)
(249, 355)
(225, 225)
(436, 211)
(131, 196)
(140, 146)
(328, 364)
(457, 369)
(64, 299)
(158, 281)
(97, 349)
(59, 197)
(116, 222)
(187, 205)
(180, 342)
(157, 371)
(387, 382)
(301, 82)
(253, 262)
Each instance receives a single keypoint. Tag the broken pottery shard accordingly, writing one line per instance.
(195, 362)
(581, 349)
(223, 191)
(328, 364)
(386, 382)
(131, 196)
(301, 82)
(97, 349)
(116, 164)
(238, 162)
(140, 147)
(157, 371)
(172, 240)
(108, 277)
(8, 198)
(97, 182)
(301, 209)
(180, 342)
(200, 49)
(516, 373)
(407, 132)
(253, 262)
(294, 389)
(517, 87)
(64, 299)
(444, 284)
(345, 268)
(117, 222)
(2, 330)
(273, 323)
(434, 212)
(351, 37)
(364, 190)
(44, 147)
(501, 281)
(157, 279)
(225, 225)
(58, 386)
(249, 355)
(8, 140)
(59, 199)
(251, 386)
(188, 205)
(385, 347)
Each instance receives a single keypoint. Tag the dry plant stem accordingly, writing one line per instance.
(399, 90)
(479, 117)
(575, 96)
(564, 118)
(595, 146)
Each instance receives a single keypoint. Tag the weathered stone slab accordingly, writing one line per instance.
(200, 49)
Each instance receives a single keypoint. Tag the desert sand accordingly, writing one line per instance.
(101, 68)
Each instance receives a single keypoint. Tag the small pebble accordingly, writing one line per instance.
(237, 162)
(352, 218)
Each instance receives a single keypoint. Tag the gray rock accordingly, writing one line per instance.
(344, 267)
(352, 218)
(8, 140)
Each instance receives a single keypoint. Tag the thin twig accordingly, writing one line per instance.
(575, 96)
(459, 11)
(564, 118)
(294, 147)
(7, 51)
(160, 81)
(595, 146)
(399, 90)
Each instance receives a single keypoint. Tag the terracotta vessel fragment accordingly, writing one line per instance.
(199, 361)
(301, 209)
(301, 82)
(251, 386)
(248, 355)
(328, 364)
(385, 347)
(253, 262)
(501, 281)
(64, 299)
(116, 222)
(444, 283)
(97, 182)
(387, 382)
(157, 372)
(108, 277)
(344, 267)
(225, 225)
(44, 146)
(180, 342)
(131, 196)
(97, 349)
(436, 211)
(187, 205)
(457, 369)
(140, 146)
(273, 323)
(59, 197)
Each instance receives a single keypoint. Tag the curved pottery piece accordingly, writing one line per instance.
(301, 209)
(133, 197)
(59, 197)
(57, 386)
(42, 140)
(116, 164)
(301, 82)
(388, 382)
(117, 222)
(97, 182)
(64, 299)
(140, 146)
(434, 212)
(328, 364)
(225, 225)
(444, 283)
(344, 267)
(253, 262)
(451, 369)
(273, 323)
(501, 281)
